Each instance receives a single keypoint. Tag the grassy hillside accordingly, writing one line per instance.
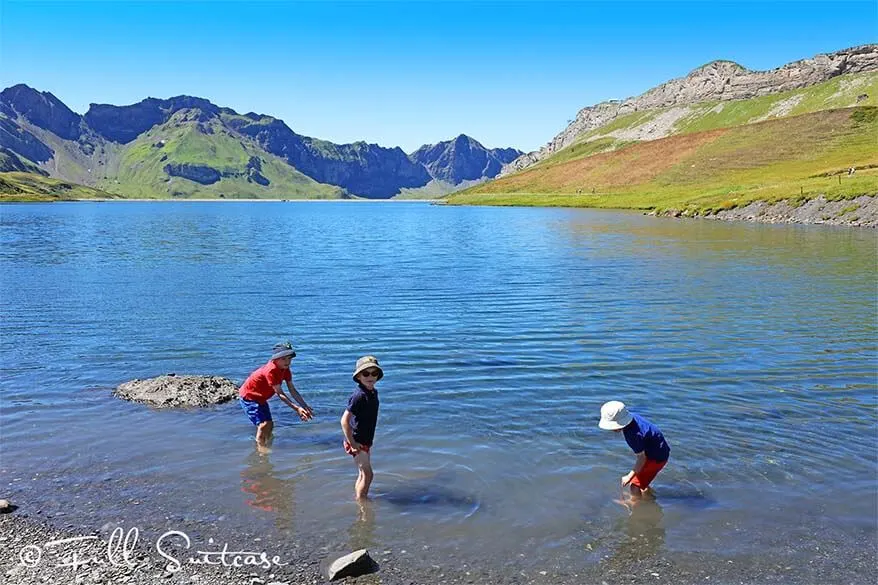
(139, 169)
(10, 162)
(17, 186)
(840, 92)
(800, 156)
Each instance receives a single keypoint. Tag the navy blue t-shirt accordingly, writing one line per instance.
(363, 406)
(642, 435)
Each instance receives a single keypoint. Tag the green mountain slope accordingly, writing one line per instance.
(18, 186)
(192, 155)
(798, 156)
(860, 89)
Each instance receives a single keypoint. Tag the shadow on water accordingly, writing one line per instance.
(685, 496)
(431, 494)
(322, 439)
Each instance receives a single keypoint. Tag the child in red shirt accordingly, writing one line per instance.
(265, 383)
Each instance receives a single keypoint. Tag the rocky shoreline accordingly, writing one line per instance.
(32, 554)
(859, 212)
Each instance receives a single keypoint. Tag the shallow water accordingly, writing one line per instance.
(501, 332)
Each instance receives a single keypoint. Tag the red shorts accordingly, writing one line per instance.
(347, 449)
(648, 473)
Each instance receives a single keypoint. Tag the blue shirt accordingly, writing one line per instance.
(363, 406)
(643, 436)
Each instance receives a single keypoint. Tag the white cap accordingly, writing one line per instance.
(614, 416)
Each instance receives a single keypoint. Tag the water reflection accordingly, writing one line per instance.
(362, 532)
(643, 529)
(265, 491)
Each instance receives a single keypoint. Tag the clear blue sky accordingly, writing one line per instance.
(405, 73)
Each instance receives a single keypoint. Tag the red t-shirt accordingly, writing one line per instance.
(260, 385)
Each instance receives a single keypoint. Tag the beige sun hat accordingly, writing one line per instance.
(366, 362)
(614, 416)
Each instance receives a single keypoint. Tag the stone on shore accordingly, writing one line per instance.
(6, 507)
(351, 565)
(179, 391)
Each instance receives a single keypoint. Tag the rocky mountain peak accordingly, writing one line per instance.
(42, 109)
(124, 123)
(462, 159)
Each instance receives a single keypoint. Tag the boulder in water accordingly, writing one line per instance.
(175, 391)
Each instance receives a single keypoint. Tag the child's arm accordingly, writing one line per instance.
(298, 398)
(638, 465)
(303, 413)
(348, 433)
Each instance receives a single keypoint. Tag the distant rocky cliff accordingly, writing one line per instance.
(463, 159)
(716, 81)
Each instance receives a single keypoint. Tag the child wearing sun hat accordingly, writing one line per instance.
(644, 438)
(264, 383)
(359, 420)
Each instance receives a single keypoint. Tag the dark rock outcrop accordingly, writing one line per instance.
(125, 123)
(42, 109)
(254, 172)
(463, 159)
(363, 169)
(199, 173)
(22, 142)
(9, 161)
(176, 391)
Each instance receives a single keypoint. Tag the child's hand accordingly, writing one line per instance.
(355, 448)
(626, 479)
(303, 413)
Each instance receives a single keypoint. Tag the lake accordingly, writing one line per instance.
(501, 332)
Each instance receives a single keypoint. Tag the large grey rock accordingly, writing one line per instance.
(716, 81)
(351, 565)
(176, 391)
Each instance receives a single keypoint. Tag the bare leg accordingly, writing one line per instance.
(364, 478)
(636, 493)
(263, 434)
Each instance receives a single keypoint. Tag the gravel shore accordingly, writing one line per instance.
(31, 555)
(861, 211)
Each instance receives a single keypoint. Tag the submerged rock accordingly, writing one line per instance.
(175, 391)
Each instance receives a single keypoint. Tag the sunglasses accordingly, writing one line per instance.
(369, 373)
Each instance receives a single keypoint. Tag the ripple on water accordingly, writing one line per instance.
(501, 332)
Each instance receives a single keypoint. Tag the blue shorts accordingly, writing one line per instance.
(257, 411)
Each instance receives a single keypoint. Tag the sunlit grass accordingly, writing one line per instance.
(803, 156)
(18, 186)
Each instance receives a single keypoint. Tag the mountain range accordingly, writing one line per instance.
(187, 146)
